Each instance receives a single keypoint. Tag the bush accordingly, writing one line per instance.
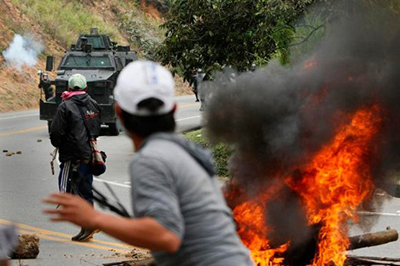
(143, 32)
(64, 19)
(221, 152)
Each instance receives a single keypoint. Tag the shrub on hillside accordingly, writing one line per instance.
(63, 20)
(221, 152)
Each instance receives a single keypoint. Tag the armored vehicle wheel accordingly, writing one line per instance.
(113, 129)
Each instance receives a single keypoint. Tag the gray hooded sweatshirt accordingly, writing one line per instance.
(173, 182)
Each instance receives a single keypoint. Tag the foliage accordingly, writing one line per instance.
(64, 19)
(143, 32)
(309, 32)
(211, 34)
(312, 26)
(161, 5)
(221, 152)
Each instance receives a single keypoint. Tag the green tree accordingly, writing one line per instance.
(211, 34)
(315, 22)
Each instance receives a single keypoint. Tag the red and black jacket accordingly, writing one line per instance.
(68, 132)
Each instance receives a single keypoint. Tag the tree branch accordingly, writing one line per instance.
(308, 37)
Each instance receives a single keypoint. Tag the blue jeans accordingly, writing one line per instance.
(76, 178)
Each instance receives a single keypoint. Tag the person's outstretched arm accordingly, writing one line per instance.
(143, 232)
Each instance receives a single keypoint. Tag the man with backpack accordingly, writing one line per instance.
(76, 117)
(180, 213)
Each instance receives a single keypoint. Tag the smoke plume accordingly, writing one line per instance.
(279, 117)
(23, 51)
(282, 115)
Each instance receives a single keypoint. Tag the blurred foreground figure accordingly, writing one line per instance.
(180, 213)
(8, 241)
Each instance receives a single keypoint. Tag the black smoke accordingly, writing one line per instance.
(279, 116)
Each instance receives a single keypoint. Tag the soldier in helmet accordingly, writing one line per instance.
(197, 79)
(45, 84)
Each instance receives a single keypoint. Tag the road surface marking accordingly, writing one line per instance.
(62, 237)
(69, 241)
(39, 128)
(17, 116)
(111, 182)
(23, 131)
(187, 118)
(36, 114)
(378, 213)
(187, 105)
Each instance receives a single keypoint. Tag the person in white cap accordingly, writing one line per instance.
(77, 114)
(179, 210)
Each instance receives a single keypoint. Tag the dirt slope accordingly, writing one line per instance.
(18, 89)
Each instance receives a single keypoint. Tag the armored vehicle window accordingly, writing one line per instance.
(95, 41)
(87, 61)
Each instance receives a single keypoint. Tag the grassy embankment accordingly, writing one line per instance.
(57, 24)
(220, 151)
(64, 20)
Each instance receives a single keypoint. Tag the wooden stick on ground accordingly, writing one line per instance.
(356, 260)
(145, 262)
(373, 239)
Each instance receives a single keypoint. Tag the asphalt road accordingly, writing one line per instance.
(26, 178)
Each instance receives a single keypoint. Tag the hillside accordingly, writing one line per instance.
(54, 25)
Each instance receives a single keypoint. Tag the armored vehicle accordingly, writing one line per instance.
(97, 58)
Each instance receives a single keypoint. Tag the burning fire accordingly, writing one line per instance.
(252, 230)
(336, 181)
(332, 185)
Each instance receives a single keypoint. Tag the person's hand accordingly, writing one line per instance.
(72, 209)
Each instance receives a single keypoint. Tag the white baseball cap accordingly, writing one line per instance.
(141, 80)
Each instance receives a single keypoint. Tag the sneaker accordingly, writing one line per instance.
(74, 238)
(87, 235)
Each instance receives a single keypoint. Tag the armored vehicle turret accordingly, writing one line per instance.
(97, 58)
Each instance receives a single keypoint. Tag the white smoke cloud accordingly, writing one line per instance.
(23, 50)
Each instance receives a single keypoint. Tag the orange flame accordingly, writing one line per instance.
(251, 223)
(336, 181)
(252, 230)
(332, 186)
